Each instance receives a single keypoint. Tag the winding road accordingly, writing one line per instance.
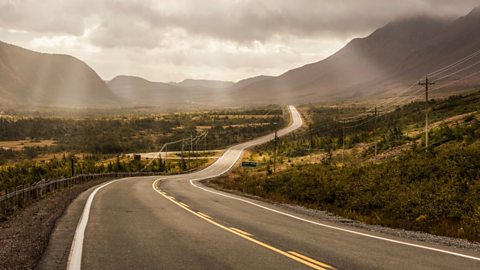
(175, 222)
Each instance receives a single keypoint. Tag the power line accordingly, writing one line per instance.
(434, 73)
(164, 146)
(459, 62)
(387, 103)
(458, 71)
(398, 99)
(455, 81)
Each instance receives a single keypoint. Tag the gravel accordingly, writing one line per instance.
(24, 236)
(320, 215)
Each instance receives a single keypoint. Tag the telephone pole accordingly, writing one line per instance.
(426, 83)
(191, 150)
(72, 164)
(166, 157)
(375, 130)
(275, 152)
(343, 141)
(183, 146)
(205, 142)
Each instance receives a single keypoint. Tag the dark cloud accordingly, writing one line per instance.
(246, 21)
(141, 23)
(228, 39)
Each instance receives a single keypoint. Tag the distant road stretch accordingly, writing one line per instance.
(177, 223)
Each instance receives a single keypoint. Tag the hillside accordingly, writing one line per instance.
(379, 65)
(248, 81)
(455, 41)
(390, 58)
(32, 78)
(138, 91)
(190, 83)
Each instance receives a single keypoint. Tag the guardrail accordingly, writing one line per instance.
(21, 196)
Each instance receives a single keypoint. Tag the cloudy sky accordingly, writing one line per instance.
(211, 39)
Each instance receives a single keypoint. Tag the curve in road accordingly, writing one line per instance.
(126, 224)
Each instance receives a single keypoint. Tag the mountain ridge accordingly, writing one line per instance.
(378, 65)
(29, 77)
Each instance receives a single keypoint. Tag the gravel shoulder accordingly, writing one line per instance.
(25, 235)
(328, 217)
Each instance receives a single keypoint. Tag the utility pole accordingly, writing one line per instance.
(311, 141)
(343, 141)
(183, 146)
(205, 142)
(118, 164)
(375, 130)
(275, 152)
(191, 149)
(72, 161)
(427, 83)
(166, 157)
(182, 156)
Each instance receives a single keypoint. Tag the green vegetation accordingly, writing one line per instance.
(391, 129)
(134, 134)
(99, 144)
(436, 192)
(28, 172)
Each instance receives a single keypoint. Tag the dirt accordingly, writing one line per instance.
(24, 236)
(21, 144)
(448, 121)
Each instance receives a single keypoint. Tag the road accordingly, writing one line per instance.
(210, 154)
(177, 223)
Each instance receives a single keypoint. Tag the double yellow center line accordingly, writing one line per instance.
(314, 264)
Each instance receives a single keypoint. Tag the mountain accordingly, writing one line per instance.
(361, 61)
(379, 65)
(32, 78)
(456, 41)
(190, 83)
(246, 82)
(139, 91)
(382, 64)
(136, 91)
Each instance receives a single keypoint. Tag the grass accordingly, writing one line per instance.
(403, 187)
(21, 144)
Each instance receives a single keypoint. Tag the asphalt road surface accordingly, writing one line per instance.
(177, 223)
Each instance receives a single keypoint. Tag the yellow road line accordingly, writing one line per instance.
(240, 231)
(311, 260)
(204, 215)
(183, 204)
(246, 237)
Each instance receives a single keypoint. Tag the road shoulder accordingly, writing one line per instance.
(55, 254)
(344, 222)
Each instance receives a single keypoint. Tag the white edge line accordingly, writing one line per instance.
(333, 227)
(318, 223)
(75, 256)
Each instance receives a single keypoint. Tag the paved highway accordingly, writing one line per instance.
(177, 223)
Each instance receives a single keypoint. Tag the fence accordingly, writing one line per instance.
(23, 195)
